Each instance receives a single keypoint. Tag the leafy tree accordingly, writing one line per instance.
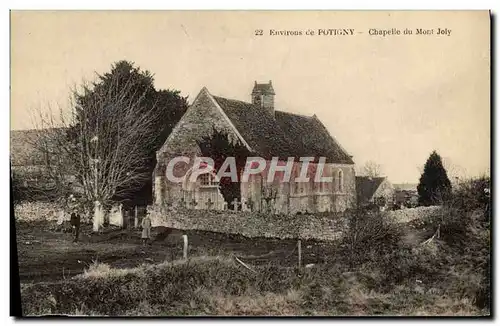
(434, 186)
(218, 147)
(109, 139)
(163, 107)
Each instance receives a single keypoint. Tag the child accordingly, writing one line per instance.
(146, 229)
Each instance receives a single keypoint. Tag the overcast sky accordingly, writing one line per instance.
(388, 99)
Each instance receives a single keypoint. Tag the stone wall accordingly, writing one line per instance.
(48, 211)
(33, 211)
(252, 224)
(409, 214)
(321, 226)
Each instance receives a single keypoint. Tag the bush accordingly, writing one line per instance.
(465, 228)
(110, 291)
(369, 234)
(219, 286)
(367, 228)
(471, 195)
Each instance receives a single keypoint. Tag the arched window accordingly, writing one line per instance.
(340, 181)
(297, 184)
(207, 180)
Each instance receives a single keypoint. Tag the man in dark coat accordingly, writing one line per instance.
(75, 216)
(75, 223)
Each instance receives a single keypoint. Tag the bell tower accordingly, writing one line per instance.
(263, 96)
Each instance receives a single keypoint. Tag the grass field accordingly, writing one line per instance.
(377, 268)
(47, 255)
(113, 274)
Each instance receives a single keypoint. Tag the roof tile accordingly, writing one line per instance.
(284, 134)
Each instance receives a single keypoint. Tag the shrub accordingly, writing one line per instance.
(367, 228)
(472, 194)
(219, 286)
(465, 228)
(434, 186)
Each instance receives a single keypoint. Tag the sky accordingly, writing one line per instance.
(389, 99)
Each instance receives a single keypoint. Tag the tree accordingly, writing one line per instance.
(218, 147)
(109, 138)
(372, 169)
(434, 186)
(164, 107)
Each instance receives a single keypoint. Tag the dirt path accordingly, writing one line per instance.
(45, 254)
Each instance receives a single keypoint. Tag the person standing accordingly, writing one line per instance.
(75, 217)
(146, 229)
(75, 223)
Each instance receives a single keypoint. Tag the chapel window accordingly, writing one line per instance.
(207, 180)
(340, 181)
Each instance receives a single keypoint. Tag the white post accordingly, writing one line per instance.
(136, 218)
(299, 248)
(185, 251)
(60, 219)
(122, 218)
(97, 216)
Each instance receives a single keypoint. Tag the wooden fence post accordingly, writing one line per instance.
(185, 251)
(299, 248)
(136, 219)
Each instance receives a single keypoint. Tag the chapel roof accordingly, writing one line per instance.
(284, 134)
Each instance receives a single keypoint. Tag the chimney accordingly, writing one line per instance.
(263, 96)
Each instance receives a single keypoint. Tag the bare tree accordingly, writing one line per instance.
(103, 144)
(372, 169)
(51, 162)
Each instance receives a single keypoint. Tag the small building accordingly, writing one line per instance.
(374, 192)
(405, 195)
(27, 159)
(31, 154)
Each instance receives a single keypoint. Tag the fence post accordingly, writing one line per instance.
(299, 249)
(136, 219)
(185, 251)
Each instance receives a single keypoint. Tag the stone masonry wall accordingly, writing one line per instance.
(33, 211)
(252, 224)
(322, 226)
(409, 214)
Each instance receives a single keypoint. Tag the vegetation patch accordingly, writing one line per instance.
(438, 265)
